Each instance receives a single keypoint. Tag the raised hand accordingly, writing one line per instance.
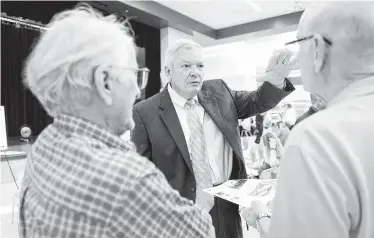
(279, 67)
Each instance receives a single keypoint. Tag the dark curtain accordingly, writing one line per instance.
(40, 11)
(21, 107)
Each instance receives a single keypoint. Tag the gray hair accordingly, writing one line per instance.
(173, 49)
(59, 70)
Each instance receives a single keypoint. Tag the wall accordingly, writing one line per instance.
(228, 62)
(169, 36)
(238, 63)
(223, 61)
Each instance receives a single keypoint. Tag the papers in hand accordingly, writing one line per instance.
(244, 191)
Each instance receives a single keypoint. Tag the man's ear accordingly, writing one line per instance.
(320, 52)
(103, 85)
(167, 71)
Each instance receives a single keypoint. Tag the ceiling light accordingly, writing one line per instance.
(254, 5)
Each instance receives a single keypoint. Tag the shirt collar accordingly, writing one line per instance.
(176, 98)
(80, 127)
(360, 88)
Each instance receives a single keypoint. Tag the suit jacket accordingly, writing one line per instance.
(158, 135)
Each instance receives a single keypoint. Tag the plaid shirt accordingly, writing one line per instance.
(82, 181)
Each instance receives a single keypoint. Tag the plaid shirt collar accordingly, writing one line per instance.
(84, 128)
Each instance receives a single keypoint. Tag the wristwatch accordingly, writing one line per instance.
(262, 215)
(259, 217)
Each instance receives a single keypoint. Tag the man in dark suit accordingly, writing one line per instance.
(190, 129)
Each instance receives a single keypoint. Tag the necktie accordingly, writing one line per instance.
(199, 157)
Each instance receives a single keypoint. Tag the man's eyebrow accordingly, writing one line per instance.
(186, 61)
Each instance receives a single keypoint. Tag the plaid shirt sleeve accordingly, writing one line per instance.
(159, 211)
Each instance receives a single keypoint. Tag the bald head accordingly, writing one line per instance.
(349, 25)
(340, 47)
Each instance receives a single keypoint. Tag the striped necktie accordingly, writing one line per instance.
(199, 157)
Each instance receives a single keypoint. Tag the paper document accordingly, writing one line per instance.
(244, 191)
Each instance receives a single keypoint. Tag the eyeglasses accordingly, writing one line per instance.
(142, 75)
(295, 47)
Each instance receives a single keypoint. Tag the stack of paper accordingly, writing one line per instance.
(244, 191)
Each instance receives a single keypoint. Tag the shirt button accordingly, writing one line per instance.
(193, 190)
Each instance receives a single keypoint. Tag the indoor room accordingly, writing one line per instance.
(227, 119)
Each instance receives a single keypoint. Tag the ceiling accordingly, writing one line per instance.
(213, 21)
(223, 14)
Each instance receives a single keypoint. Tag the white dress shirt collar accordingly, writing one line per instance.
(176, 98)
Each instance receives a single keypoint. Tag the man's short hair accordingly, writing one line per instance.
(173, 49)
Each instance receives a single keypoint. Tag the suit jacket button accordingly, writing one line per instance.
(193, 190)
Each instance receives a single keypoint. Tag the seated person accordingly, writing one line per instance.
(282, 132)
(248, 125)
(269, 151)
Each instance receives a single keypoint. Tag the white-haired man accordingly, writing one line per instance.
(326, 184)
(81, 179)
(190, 129)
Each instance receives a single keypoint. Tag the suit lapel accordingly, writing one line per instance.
(211, 106)
(170, 117)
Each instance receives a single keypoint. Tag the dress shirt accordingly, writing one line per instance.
(82, 181)
(325, 187)
(218, 149)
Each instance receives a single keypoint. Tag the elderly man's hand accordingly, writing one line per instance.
(279, 67)
(251, 214)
